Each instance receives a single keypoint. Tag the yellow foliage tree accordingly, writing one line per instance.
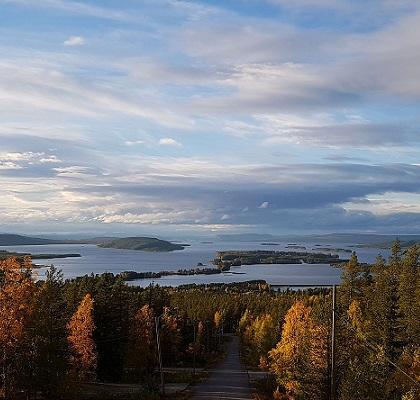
(299, 361)
(218, 319)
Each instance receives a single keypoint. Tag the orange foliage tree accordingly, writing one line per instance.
(80, 338)
(16, 293)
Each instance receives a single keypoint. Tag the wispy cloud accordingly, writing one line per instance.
(74, 7)
(169, 142)
(74, 41)
(291, 121)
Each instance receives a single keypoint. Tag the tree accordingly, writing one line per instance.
(17, 290)
(299, 361)
(141, 349)
(218, 319)
(365, 370)
(260, 336)
(350, 286)
(80, 337)
(409, 296)
(170, 337)
(48, 345)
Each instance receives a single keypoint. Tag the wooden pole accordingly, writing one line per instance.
(332, 383)
(162, 382)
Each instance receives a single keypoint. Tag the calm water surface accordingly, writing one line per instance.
(98, 260)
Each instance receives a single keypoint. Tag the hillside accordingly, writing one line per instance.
(7, 239)
(142, 244)
(387, 245)
(360, 238)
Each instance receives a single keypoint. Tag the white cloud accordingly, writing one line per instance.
(17, 160)
(169, 142)
(74, 41)
(49, 159)
(73, 171)
(386, 203)
(264, 204)
(9, 165)
(133, 142)
(225, 217)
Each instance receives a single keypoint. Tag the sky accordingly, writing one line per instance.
(207, 117)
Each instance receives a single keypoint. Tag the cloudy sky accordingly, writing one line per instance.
(166, 116)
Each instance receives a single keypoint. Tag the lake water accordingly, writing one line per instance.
(98, 260)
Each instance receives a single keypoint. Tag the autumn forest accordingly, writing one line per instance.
(59, 338)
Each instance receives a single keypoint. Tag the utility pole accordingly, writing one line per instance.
(157, 326)
(195, 348)
(333, 328)
(332, 383)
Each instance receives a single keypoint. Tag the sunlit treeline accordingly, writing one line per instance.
(57, 335)
(377, 338)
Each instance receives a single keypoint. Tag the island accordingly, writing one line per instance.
(134, 275)
(141, 244)
(226, 259)
(338, 250)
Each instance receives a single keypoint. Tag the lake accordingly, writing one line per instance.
(98, 260)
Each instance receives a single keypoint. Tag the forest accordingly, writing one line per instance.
(59, 337)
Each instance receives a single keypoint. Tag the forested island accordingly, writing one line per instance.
(128, 243)
(134, 275)
(226, 259)
(142, 244)
(334, 250)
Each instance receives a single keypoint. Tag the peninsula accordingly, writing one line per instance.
(48, 256)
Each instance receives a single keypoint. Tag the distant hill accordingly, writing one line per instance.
(362, 238)
(142, 244)
(387, 245)
(7, 239)
(249, 237)
(353, 238)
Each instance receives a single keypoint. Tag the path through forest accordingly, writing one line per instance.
(228, 380)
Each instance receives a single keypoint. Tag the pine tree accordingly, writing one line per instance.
(351, 283)
(49, 347)
(141, 349)
(409, 296)
(170, 335)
